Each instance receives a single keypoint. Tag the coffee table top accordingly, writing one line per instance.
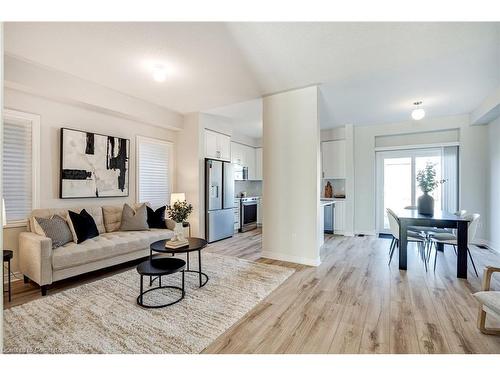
(195, 244)
(160, 266)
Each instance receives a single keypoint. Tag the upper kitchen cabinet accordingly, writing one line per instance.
(333, 159)
(237, 153)
(217, 145)
(259, 174)
(250, 161)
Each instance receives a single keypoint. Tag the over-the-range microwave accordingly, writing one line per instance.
(240, 172)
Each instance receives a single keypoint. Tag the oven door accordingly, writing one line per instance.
(248, 215)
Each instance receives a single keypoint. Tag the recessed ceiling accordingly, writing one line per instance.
(370, 73)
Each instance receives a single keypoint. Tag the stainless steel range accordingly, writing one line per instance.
(248, 212)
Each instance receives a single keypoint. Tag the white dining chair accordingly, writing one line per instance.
(411, 237)
(451, 239)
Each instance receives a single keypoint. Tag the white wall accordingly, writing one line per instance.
(473, 162)
(493, 195)
(291, 165)
(53, 116)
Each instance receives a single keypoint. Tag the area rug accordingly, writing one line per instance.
(103, 317)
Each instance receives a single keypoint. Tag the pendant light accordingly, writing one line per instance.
(418, 113)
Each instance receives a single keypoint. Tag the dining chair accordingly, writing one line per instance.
(451, 239)
(490, 302)
(411, 237)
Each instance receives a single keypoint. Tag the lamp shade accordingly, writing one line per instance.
(177, 197)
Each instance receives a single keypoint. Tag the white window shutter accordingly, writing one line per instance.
(17, 169)
(154, 174)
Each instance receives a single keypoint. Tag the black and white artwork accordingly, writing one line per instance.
(93, 165)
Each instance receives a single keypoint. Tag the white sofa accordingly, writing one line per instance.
(44, 265)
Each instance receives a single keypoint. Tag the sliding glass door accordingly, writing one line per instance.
(397, 185)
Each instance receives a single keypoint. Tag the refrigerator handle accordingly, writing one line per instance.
(217, 191)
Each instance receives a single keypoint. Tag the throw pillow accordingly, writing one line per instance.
(56, 228)
(156, 219)
(134, 220)
(84, 225)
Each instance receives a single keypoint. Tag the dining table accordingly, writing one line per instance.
(409, 217)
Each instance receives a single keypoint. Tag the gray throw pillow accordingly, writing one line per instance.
(57, 229)
(134, 219)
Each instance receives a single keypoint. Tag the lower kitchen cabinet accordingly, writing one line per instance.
(339, 217)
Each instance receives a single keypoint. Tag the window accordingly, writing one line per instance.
(21, 138)
(154, 171)
(397, 186)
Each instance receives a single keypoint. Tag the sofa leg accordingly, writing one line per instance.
(43, 289)
(26, 279)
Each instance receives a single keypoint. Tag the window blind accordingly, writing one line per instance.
(17, 169)
(154, 160)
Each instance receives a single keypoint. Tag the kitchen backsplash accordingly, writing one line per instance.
(252, 188)
(338, 186)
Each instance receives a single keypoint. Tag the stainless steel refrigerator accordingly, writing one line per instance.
(219, 200)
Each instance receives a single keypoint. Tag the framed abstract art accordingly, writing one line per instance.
(93, 165)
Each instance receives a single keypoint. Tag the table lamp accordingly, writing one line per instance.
(177, 197)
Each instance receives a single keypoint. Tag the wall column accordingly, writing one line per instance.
(291, 166)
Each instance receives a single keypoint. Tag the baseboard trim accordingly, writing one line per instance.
(291, 258)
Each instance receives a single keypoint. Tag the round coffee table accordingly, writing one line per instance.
(159, 267)
(195, 244)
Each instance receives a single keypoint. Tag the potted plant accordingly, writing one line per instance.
(427, 182)
(179, 213)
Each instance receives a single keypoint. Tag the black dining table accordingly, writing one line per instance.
(440, 219)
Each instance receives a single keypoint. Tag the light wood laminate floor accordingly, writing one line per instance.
(352, 303)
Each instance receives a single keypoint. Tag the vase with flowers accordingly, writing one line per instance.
(427, 182)
(179, 212)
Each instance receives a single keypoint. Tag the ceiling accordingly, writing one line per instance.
(370, 73)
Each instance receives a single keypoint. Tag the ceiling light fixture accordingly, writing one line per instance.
(159, 73)
(418, 113)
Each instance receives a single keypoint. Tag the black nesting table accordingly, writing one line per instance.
(159, 267)
(195, 244)
(7, 256)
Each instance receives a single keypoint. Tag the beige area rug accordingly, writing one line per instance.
(103, 317)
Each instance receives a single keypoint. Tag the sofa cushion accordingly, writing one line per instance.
(56, 228)
(105, 246)
(136, 240)
(83, 225)
(112, 217)
(133, 220)
(95, 212)
(91, 250)
(156, 219)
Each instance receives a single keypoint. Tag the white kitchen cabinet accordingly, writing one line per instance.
(237, 224)
(259, 212)
(237, 153)
(250, 161)
(217, 145)
(245, 156)
(339, 217)
(258, 164)
(333, 159)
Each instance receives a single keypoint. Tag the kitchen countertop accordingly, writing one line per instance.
(323, 202)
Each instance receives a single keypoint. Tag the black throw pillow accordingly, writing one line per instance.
(156, 219)
(84, 225)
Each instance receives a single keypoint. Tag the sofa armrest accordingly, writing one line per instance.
(488, 272)
(35, 257)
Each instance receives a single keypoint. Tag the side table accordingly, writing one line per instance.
(7, 256)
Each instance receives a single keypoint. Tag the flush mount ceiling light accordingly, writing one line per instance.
(159, 73)
(418, 113)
